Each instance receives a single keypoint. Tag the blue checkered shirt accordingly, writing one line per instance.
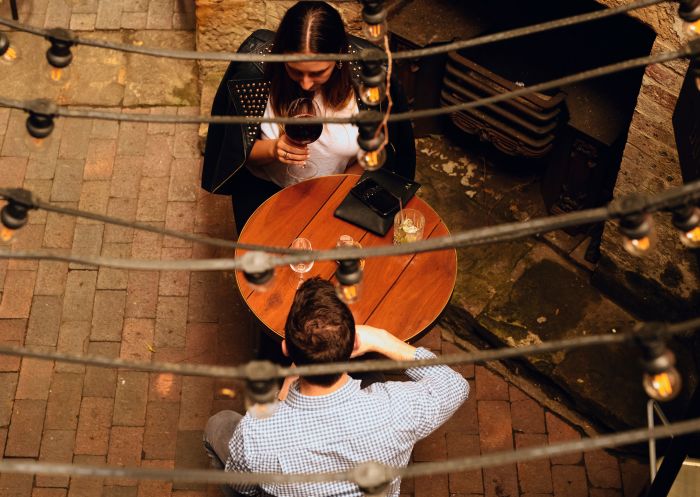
(335, 432)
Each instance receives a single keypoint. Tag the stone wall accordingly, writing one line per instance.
(665, 284)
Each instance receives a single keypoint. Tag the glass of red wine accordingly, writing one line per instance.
(302, 134)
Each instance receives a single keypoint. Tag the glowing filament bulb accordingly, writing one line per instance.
(691, 239)
(662, 386)
(371, 95)
(692, 29)
(348, 293)
(59, 75)
(371, 160)
(638, 246)
(375, 32)
(10, 56)
(6, 234)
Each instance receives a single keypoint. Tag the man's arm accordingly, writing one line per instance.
(371, 339)
(437, 391)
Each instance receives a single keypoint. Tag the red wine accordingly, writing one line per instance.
(304, 133)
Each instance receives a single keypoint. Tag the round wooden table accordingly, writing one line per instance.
(402, 294)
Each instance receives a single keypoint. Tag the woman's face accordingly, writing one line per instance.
(311, 75)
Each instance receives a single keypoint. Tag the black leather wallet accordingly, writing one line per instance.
(354, 211)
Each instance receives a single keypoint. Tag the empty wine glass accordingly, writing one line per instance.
(302, 134)
(301, 267)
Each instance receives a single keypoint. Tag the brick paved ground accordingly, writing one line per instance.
(87, 415)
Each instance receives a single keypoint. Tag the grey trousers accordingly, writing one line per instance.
(217, 434)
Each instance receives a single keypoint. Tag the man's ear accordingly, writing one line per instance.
(284, 348)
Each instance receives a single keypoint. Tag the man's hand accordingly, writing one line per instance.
(371, 339)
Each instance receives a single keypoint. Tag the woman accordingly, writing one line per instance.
(249, 162)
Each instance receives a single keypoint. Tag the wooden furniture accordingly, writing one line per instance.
(402, 294)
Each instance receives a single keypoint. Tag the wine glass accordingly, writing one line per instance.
(301, 267)
(302, 134)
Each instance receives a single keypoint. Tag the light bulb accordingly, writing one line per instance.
(6, 234)
(8, 53)
(349, 280)
(59, 75)
(12, 217)
(261, 411)
(371, 160)
(10, 56)
(638, 234)
(662, 386)
(372, 95)
(691, 239)
(691, 29)
(37, 144)
(639, 246)
(348, 293)
(376, 31)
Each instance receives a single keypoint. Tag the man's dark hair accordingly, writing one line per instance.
(319, 328)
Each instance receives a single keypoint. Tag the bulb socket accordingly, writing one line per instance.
(348, 272)
(4, 43)
(259, 279)
(636, 226)
(373, 11)
(39, 125)
(368, 138)
(14, 215)
(686, 218)
(373, 72)
(261, 382)
(59, 55)
(689, 10)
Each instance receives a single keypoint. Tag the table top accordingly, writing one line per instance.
(402, 294)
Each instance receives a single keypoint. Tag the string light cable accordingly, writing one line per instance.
(405, 54)
(691, 49)
(251, 370)
(29, 201)
(259, 258)
(372, 477)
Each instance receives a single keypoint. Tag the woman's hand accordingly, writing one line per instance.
(288, 152)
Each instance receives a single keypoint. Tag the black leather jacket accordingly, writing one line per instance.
(244, 91)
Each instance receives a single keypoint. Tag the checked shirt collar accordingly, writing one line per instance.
(345, 393)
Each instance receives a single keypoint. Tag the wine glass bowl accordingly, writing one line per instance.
(301, 267)
(303, 134)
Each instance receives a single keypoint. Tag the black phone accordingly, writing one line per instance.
(376, 197)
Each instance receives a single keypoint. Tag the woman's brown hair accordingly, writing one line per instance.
(313, 27)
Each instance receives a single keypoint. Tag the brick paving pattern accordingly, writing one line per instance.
(87, 415)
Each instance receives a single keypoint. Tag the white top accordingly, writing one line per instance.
(332, 153)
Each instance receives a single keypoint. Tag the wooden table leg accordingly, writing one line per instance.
(13, 7)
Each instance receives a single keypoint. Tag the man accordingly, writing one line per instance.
(327, 423)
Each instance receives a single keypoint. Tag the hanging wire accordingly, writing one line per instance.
(384, 473)
(618, 208)
(689, 50)
(664, 330)
(407, 54)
